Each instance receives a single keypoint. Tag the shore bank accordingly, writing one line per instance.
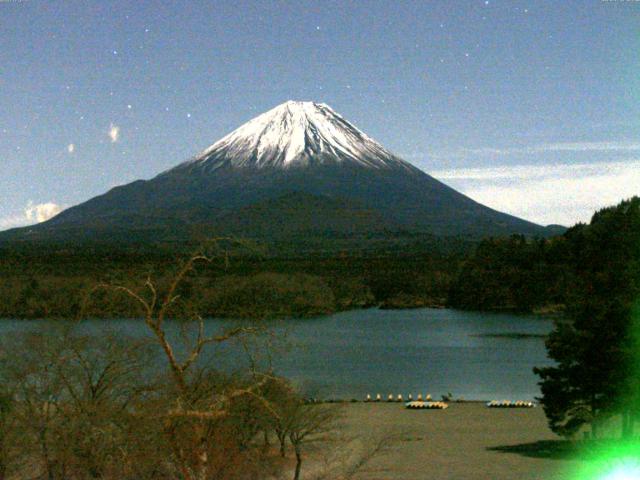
(468, 441)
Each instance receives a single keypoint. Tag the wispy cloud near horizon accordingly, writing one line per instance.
(595, 147)
(548, 194)
(31, 214)
(559, 147)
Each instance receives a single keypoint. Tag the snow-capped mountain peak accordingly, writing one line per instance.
(296, 134)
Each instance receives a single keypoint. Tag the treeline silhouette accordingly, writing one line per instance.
(52, 283)
(514, 273)
(594, 379)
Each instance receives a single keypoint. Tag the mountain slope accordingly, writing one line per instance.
(298, 148)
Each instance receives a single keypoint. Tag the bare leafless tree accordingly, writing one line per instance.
(7, 431)
(69, 401)
(86, 405)
(307, 424)
(192, 413)
(37, 392)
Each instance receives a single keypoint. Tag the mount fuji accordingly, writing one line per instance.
(295, 134)
(299, 170)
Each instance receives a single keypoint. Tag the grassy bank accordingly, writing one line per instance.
(465, 442)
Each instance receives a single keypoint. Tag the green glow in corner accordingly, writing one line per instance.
(620, 460)
(616, 461)
(626, 470)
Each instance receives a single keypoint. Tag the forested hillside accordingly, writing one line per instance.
(322, 276)
(532, 275)
(239, 284)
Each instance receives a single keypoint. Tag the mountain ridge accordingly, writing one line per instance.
(300, 147)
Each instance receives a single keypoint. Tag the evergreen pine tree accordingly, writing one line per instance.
(595, 345)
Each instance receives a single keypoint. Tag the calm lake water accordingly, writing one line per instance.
(350, 354)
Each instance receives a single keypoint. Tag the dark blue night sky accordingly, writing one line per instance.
(531, 107)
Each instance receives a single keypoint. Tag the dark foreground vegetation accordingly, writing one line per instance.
(104, 406)
(596, 344)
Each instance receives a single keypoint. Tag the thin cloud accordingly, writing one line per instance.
(591, 147)
(551, 147)
(12, 221)
(41, 212)
(31, 214)
(537, 171)
(545, 194)
(114, 133)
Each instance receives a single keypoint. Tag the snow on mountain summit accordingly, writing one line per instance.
(295, 134)
(296, 173)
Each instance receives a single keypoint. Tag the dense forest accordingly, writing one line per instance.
(516, 274)
(594, 379)
(240, 282)
(543, 275)
(251, 280)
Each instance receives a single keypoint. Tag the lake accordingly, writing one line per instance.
(350, 354)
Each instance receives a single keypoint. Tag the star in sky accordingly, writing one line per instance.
(499, 37)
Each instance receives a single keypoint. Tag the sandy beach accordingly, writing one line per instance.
(465, 441)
